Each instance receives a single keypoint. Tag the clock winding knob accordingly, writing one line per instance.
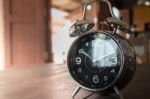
(117, 23)
(80, 27)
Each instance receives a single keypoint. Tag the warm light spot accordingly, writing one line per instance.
(89, 7)
(147, 3)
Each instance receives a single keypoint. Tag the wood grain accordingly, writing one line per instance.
(53, 82)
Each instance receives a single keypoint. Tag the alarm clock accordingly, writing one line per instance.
(101, 61)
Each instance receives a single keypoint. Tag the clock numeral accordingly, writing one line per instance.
(114, 60)
(87, 44)
(79, 70)
(81, 51)
(97, 52)
(105, 78)
(112, 71)
(96, 79)
(86, 77)
(78, 60)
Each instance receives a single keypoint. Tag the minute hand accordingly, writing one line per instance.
(104, 56)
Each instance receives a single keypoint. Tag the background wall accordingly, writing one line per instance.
(141, 16)
(1, 37)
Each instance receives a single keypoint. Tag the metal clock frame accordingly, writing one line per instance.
(115, 88)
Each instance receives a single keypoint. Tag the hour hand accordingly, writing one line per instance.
(83, 52)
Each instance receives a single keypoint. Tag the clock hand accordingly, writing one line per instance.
(83, 52)
(103, 56)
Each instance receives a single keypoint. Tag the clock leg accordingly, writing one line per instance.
(76, 92)
(118, 92)
(89, 96)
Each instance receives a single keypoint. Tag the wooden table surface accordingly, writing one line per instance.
(53, 82)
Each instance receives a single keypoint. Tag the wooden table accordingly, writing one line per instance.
(53, 82)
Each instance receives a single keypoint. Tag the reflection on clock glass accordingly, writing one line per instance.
(94, 60)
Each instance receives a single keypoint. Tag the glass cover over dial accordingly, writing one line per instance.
(94, 60)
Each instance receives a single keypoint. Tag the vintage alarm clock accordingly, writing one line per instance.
(101, 61)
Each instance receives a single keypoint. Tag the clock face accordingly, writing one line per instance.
(94, 60)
